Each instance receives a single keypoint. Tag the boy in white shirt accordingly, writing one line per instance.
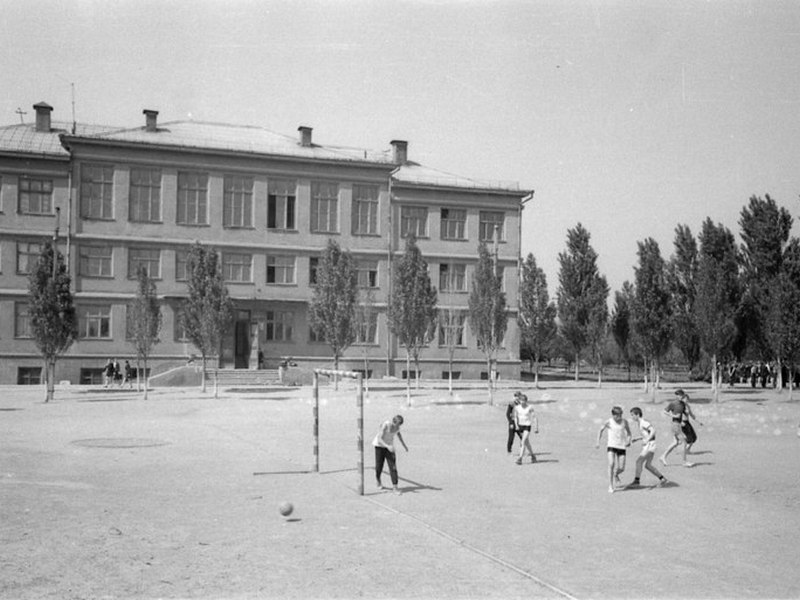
(524, 419)
(619, 438)
(648, 438)
(384, 450)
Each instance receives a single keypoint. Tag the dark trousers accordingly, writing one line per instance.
(511, 432)
(382, 454)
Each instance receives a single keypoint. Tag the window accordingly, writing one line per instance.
(280, 204)
(94, 322)
(367, 273)
(29, 375)
(181, 256)
(95, 261)
(324, 207)
(192, 198)
(365, 210)
(144, 202)
(181, 333)
(488, 221)
(367, 327)
(149, 259)
(22, 320)
(97, 187)
(313, 265)
(280, 269)
(411, 374)
(237, 201)
(454, 374)
(27, 255)
(237, 267)
(413, 221)
(36, 196)
(279, 326)
(451, 328)
(92, 376)
(452, 278)
(453, 225)
(314, 336)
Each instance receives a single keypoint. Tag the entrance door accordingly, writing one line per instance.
(241, 340)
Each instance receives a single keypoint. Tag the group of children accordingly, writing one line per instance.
(522, 420)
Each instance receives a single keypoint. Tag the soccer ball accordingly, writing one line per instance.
(285, 508)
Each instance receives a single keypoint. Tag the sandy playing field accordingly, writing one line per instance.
(105, 495)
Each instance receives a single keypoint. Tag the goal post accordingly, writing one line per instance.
(359, 420)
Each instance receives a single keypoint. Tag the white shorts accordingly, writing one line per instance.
(648, 448)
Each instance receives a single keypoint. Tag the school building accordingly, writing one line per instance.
(123, 198)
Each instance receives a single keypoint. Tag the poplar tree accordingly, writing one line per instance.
(651, 307)
(717, 295)
(487, 310)
(332, 309)
(52, 313)
(208, 311)
(621, 322)
(537, 314)
(412, 307)
(783, 316)
(682, 284)
(581, 290)
(144, 322)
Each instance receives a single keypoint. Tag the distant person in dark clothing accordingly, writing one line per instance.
(108, 373)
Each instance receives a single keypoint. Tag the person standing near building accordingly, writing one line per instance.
(108, 373)
(512, 427)
(128, 374)
(645, 458)
(524, 420)
(619, 438)
(384, 450)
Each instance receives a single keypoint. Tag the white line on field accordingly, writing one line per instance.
(472, 548)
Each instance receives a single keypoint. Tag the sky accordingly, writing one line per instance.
(627, 117)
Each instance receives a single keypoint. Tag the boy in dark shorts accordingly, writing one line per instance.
(619, 438)
(512, 427)
(676, 411)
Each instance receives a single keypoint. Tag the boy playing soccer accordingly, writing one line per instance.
(645, 458)
(619, 438)
(384, 450)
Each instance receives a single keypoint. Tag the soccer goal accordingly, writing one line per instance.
(359, 421)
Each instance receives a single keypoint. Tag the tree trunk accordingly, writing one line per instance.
(416, 371)
(203, 374)
(408, 378)
(714, 382)
(780, 376)
(335, 375)
(577, 365)
(145, 378)
(49, 375)
(489, 378)
(536, 371)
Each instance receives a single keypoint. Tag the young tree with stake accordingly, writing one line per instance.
(144, 320)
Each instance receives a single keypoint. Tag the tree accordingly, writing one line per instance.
(621, 322)
(332, 309)
(597, 323)
(144, 321)
(580, 292)
(487, 311)
(765, 232)
(681, 282)
(651, 308)
(412, 307)
(783, 317)
(537, 314)
(52, 313)
(366, 326)
(717, 295)
(208, 311)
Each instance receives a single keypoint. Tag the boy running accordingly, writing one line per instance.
(676, 410)
(619, 438)
(384, 450)
(645, 458)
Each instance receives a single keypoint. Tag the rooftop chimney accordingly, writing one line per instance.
(305, 135)
(399, 151)
(151, 119)
(43, 116)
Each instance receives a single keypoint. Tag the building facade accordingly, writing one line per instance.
(268, 204)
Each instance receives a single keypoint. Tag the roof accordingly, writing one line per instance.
(24, 139)
(238, 138)
(415, 174)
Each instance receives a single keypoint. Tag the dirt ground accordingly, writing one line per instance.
(105, 495)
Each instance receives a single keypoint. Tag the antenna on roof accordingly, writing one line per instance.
(20, 112)
(72, 86)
